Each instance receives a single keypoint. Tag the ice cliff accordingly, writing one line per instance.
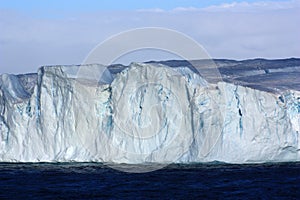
(144, 113)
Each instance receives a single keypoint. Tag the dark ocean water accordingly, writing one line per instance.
(201, 181)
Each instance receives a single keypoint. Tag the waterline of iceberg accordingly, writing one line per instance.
(145, 113)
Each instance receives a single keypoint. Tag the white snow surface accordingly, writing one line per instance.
(147, 113)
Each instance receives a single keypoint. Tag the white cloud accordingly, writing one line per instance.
(27, 43)
(255, 6)
(236, 6)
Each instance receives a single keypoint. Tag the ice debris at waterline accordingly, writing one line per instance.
(147, 113)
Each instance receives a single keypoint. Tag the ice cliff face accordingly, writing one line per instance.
(145, 113)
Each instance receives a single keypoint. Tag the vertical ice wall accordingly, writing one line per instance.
(148, 113)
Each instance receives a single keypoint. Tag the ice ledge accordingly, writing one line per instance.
(64, 119)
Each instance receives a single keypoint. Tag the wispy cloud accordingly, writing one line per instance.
(271, 31)
(255, 6)
(236, 6)
(151, 10)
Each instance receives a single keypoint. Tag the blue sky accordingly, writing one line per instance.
(36, 33)
(92, 5)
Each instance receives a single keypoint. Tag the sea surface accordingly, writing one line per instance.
(193, 181)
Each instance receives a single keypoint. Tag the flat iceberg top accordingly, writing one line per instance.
(261, 74)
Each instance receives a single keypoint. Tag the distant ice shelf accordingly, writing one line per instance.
(152, 112)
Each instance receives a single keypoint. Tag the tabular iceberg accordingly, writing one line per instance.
(143, 113)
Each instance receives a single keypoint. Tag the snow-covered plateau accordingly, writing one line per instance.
(158, 112)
